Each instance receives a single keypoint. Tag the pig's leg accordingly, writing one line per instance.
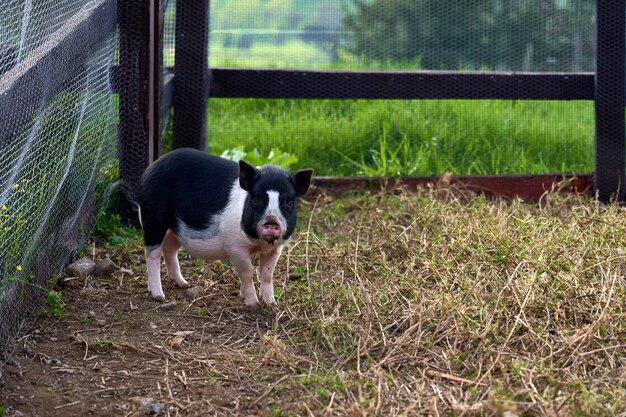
(267, 265)
(243, 265)
(170, 246)
(153, 261)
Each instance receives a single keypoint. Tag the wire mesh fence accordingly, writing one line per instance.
(318, 83)
(407, 137)
(57, 144)
(501, 35)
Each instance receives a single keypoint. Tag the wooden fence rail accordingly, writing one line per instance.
(405, 85)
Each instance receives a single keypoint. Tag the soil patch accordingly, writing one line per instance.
(115, 352)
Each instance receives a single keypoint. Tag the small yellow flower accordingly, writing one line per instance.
(15, 186)
(4, 207)
(18, 267)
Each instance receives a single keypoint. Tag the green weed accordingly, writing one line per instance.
(109, 228)
(54, 304)
(101, 343)
(254, 157)
(276, 411)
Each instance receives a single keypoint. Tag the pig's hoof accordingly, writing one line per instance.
(158, 297)
(179, 281)
(183, 284)
(267, 294)
(252, 303)
(249, 297)
(269, 300)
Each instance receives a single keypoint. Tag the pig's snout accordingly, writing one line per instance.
(271, 231)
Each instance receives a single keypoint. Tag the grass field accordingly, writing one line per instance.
(395, 137)
(291, 54)
(386, 137)
(431, 303)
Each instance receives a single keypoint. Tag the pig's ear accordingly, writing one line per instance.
(301, 181)
(247, 175)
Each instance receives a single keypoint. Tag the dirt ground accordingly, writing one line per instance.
(115, 352)
(434, 303)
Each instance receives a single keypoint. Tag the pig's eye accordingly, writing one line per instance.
(287, 203)
(257, 200)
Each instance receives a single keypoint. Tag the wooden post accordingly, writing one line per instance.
(610, 158)
(191, 86)
(139, 96)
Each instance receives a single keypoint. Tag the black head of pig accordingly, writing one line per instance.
(269, 211)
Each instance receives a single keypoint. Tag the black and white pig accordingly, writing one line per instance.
(217, 209)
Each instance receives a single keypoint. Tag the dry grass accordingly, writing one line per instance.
(433, 303)
(448, 305)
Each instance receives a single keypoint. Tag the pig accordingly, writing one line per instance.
(217, 209)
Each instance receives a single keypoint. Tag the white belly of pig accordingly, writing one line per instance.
(215, 248)
(212, 243)
(210, 249)
(206, 244)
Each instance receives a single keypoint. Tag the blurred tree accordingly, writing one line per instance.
(474, 34)
(325, 29)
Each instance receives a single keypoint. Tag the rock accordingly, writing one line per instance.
(194, 292)
(167, 306)
(104, 268)
(82, 267)
(101, 323)
(152, 407)
(12, 412)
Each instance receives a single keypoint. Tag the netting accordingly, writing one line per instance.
(57, 142)
(502, 35)
(409, 137)
(63, 102)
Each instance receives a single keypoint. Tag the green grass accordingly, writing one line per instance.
(397, 137)
(393, 137)
(267, 55)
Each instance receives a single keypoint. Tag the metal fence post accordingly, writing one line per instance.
(610, 158)
(191, 85)
(139, 83)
